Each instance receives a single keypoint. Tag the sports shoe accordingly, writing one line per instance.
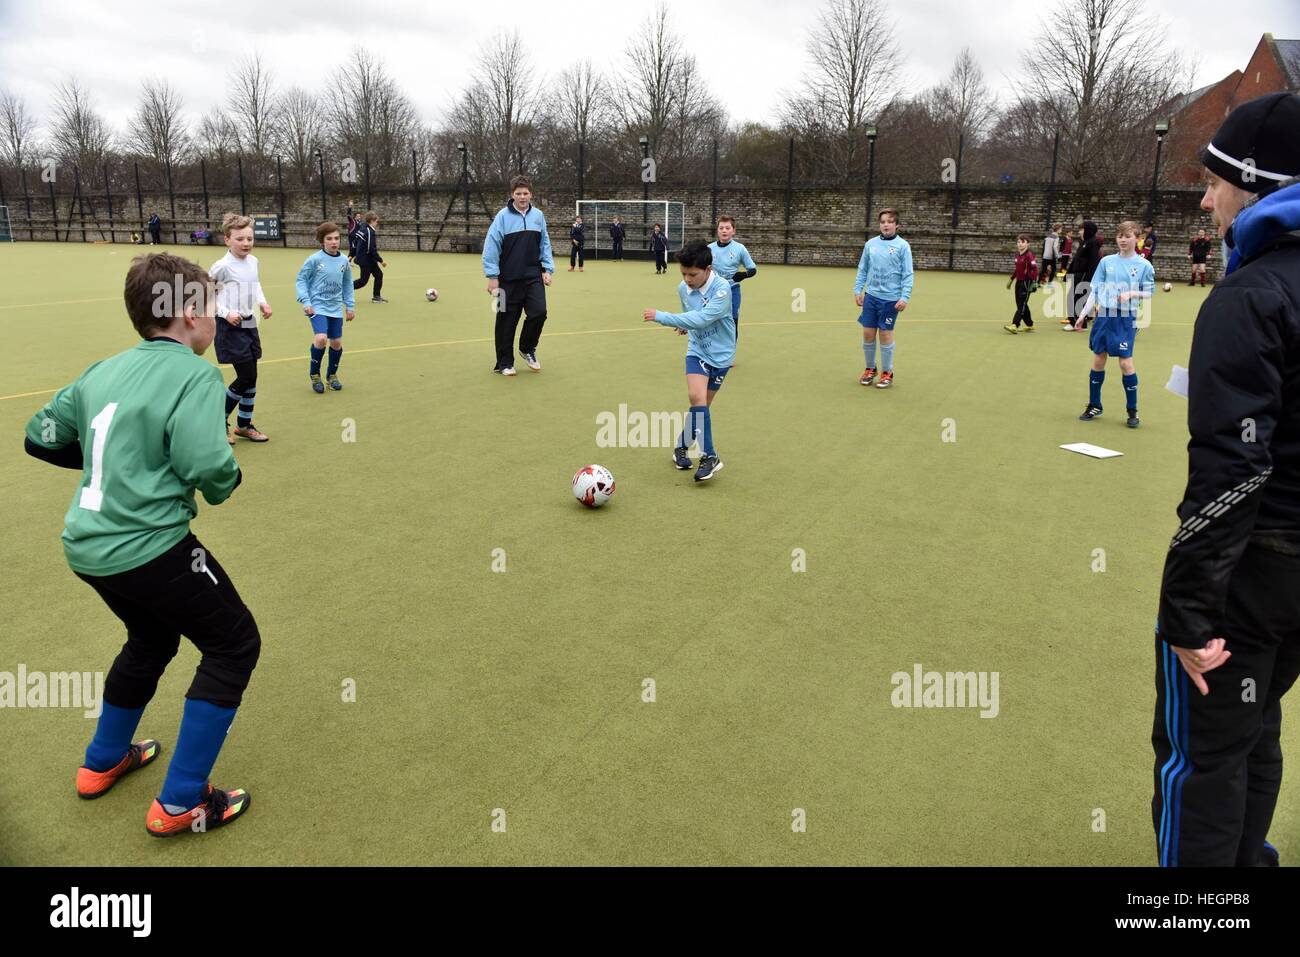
(1133, 420)
(335, 384)
(379, 299)
(508, 370)
(886, 380)
(1090, 413)
(316, 385)
(1029, 329)
(1011, 329)
(218, 809)
(250, 432)
(868, 376)
(1270, 857)
(681, 459)
(531, 359)
(710, 465)
(93, 784)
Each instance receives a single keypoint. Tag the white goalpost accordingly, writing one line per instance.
(6, 226)
(638, 217)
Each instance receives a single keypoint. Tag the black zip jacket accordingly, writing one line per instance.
(1243, 483)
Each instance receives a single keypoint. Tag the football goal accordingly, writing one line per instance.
(638, 218)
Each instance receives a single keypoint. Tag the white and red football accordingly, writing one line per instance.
(593, 485)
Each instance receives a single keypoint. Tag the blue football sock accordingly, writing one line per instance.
(1131, 390)
(869, 353)
(245, 417)
(706, 443)
(887, 357)
(316, 356)
(1095, 379)
(336, 356)
(203, 731)
(232, 400)
(112, 737)
(696, 420)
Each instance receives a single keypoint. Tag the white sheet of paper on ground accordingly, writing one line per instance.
(1087, 448)
(1177, 383)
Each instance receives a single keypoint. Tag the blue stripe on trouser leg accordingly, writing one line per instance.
(246, 406)
(1178, 766)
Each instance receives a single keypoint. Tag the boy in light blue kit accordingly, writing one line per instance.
(1119, 285)
(706, 299)
(883, 288)
(731, 261)
(324, 288)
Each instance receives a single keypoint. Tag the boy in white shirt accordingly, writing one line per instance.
(239, 298)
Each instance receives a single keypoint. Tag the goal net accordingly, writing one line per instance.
(638, 218)
(6, 227)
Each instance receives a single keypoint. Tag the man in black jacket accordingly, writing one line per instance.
(578, 238)
(1228, 632)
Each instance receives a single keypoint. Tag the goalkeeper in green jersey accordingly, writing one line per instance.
(146, 429)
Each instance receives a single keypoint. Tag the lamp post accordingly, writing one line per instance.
(645, 155)
(871, 171)
(320, 166)
(1162, 127)
(464, 180)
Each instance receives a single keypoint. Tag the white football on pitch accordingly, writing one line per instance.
(431, 295)
(593, 485)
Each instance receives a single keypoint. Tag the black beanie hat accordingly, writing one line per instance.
(1258, 145)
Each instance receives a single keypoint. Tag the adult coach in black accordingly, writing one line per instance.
(518, 265)
(1228, 632)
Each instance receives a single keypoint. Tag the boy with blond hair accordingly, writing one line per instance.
(239, 299)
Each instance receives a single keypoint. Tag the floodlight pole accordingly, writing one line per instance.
(1162, 127)
(320, 166)
(871, 173)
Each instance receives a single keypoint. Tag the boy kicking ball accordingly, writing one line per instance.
(324, 288)
(707, 319)
(143, 430)
(1119, 285)
(882, 289)
(239, 298)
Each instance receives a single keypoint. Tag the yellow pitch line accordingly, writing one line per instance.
(551, 335)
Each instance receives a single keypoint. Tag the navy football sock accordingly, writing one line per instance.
(232, 400)
(1095, 379)
(706, 443)
(316, 356)
(245, 417)
(1131, 390)
(336, 356)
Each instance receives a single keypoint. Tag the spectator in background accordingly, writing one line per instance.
(617, 232)
(155, 228)
(353, 220)
(578, 239)
(1148, 247)
(1083, 264)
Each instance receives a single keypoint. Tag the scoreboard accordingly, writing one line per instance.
(266, 226)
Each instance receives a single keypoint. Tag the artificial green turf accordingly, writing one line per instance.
(522, 691)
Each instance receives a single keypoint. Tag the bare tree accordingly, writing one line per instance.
(218, 138)
(299, 132)
(963, 105)
(17, 129)
(1099, 73)
(849, 50)
(366, 113)
(251, 105)
(580, 106)
(663, 97)
(499, 110)
(78, 134)
(158, 130)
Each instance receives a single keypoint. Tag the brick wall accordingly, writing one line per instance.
(827, 224)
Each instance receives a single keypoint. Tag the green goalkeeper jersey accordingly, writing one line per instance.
(151, 428)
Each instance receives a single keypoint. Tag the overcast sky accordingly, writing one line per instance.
(749, 54)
